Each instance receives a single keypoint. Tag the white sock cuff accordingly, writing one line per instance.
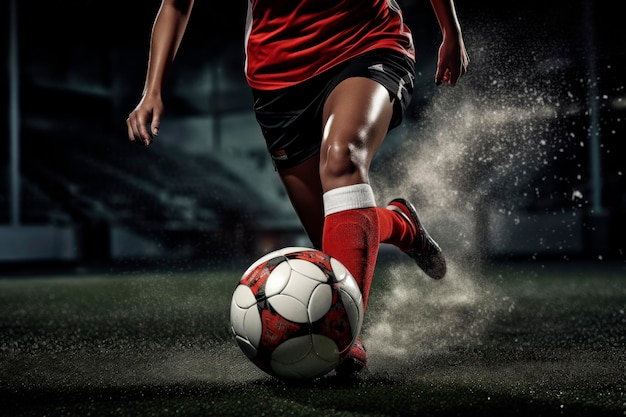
(348, 198)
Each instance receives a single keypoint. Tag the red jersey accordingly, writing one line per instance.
(289, 41)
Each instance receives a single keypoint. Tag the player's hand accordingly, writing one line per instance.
(452, 61)
(148, 111)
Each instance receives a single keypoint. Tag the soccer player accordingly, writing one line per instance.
(329, 79)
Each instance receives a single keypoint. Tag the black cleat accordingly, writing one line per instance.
(425, 251)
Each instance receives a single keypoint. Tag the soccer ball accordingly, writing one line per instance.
(296, 312)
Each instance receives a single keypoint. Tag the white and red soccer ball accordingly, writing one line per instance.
(296, 312)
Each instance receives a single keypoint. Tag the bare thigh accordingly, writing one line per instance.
(356, 119)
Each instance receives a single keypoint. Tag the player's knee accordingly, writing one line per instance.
(340, 159)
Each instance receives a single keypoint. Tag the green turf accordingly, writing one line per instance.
(508, 340)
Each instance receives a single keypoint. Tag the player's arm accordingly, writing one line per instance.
(167, 33)
(453, 59)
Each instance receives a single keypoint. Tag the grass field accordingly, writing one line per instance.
(519, 339)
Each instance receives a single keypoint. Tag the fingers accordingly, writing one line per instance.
(155, 125)
(136, 125)
(445, 77)
(449, 76)
(439, 76)
(453, 77)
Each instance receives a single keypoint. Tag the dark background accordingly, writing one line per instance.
(206, 191)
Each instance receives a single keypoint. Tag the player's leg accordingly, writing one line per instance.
(303, 186)
(356, 119)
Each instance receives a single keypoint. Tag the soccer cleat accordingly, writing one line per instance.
(354, 362)
(425, 251)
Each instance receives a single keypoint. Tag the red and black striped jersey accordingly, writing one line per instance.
(289, 41)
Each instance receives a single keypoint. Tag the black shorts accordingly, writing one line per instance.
(291, 118)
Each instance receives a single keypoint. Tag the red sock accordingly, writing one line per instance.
(351, 237)
(354, 228)
(351, 232)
